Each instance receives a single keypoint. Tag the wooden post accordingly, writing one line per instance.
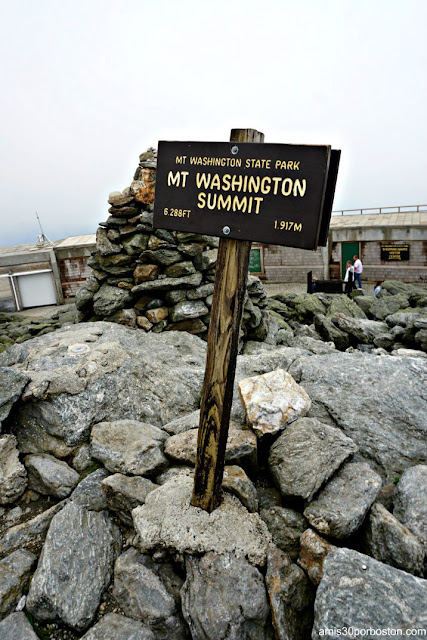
(223, 338)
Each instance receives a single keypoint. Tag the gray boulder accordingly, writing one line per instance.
(124, 493)
(387, 305)
(340, 508)
(89, 493)
(410, 502)
(306, 455)
(378, 402)
(331, 333)
(75, 566)
(308, 305)
(286, 527)
(241, 446)
(143, 595)
(224, 598)
(110, 299)
(388, 541)
(345, 305)
(16, 627)
(190, 421)
(129, 447)
(13, 476)
(116, 627)
(237, 482)
(188, 309)
(360, 593)
(96, 372)
(291, 597)
(30, 534)
(50, 476)
(364, 331)
(15, 575)
(12, 384)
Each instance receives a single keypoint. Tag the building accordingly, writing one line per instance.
(44, 273)
(391, 245)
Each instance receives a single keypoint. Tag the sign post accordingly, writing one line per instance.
(223, 338)
(241, 191)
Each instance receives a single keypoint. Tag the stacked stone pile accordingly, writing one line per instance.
(323, 518)
(154, 279)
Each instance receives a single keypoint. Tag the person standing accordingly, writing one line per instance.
(348, 279)
(358, 268)
(377, 288)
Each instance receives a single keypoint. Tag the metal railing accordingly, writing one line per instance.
(410, 208)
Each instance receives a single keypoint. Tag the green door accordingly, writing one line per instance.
(255, 260)
(348, 250)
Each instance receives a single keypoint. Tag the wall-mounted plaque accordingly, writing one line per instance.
(394, 252)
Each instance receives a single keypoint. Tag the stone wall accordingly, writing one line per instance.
(289, 264)
(412, 270)
(154, 279)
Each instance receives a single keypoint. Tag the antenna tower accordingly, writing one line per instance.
(42, 239)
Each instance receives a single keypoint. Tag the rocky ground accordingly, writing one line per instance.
(323, 523)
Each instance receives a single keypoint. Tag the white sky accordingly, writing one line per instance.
(87, 85)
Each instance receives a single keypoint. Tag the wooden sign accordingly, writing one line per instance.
(394, 252)
(240, 191)
(270, 193)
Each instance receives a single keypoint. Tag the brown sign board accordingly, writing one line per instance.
(268, 193)
(394, 252)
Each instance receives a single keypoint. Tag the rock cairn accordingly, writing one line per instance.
(154, 279)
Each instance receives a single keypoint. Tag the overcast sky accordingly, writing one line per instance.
(87, 85)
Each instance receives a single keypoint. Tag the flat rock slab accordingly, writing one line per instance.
(306, 455)
(224, 598)
(129, 447)
(116, 627)
(102, 371)
(168, 521)
(359, 592)
(75, 566)
(50, 476)
(16, 627)
(384, 414)
(13, 476)
(342, 505)
(272, 401)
